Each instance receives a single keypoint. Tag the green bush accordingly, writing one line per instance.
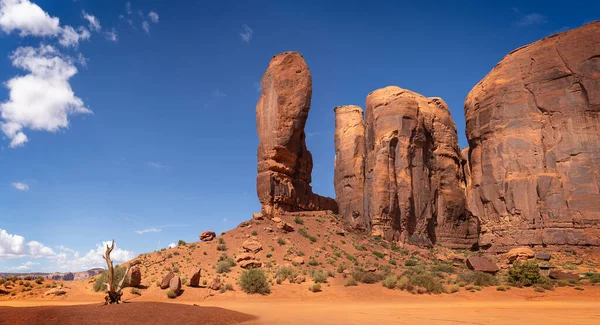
(100, 285)
(171, 294)
(501, 288)
(390, 281)
(477, 278)
(181, 242)
(2, 281)
(298, 220)
(360, 247)
(305, 233)
(221, 240)
(225, 265)
(350, 283)
(593, 277)
(286, 273)
(404, 284)
(524, 273)
(254, 281)
(411, 262)
(254, 233)
(427, 281)
(315, 287)
(378, 254)
(280, 241)
(366, 277)
(446, 268)
(454, 288)
(39, 280)
(318, 276)
(221, 247)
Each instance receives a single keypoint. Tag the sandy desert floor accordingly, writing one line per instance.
(366, 304)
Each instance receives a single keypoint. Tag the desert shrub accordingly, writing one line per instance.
(27, 278)
(176, 253)
(221, 247)
(175, 269)
(393, 261)
(100, 285)
(225, 265)
(229, 287)
(298, 220)
(2, 281)
(318, 276)
(280, 241)
(404, 284)
(366, 277)
(427, 281)
(360, 247)
(313, 262)
(341, 268)
(171, 294)
(350, 283)
(524, 273)
(254, 281)
(411, 262)
(181, 242)
(136, 291)
(39, 280)
(501, 288)
(285, 273)
(390, 281)
(593, 277)
(305, 233)
(315, 287)
(350, 257)
(446, 268)
(455, 288)
(378, 254)
(544, 283)
(203, 282)
(579, 288)
(299, 253)
(221, 240)
(477, 278)
(254, 233)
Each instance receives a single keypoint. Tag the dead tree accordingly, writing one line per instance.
(114, 293)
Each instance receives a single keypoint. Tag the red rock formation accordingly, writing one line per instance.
(349, 176)
(533, 126)
(414, 188)
(284, 163)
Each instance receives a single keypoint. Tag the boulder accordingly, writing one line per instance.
(250, 264)
(482, 264)
(561, 275)
(195, 277)
(534, 147)
(164, 284)
(135, 278)
(207, 236)
(215, 284)
(276, 219)
(244, 257)
(252, 246)
(298, 260)
(349, 175)
(257, 216)
(175, 285)
(519, 254)
(285, 227)
(371, 269)
(284, 162)
(542, 256)
(414, 189)
(269, 229)
(340, 231)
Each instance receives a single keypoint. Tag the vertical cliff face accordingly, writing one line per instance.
(533, 126)
(349, 174)
(284, 162)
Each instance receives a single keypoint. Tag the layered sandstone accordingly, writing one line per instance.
(349, 173)
(414, 188)
(284, 162)
(533, 126)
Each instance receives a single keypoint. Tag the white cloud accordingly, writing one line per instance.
(128, 7)
(146, 27)
(532, 19)
(71, 37)
(246, 35)
(94, 22)
(20, 186)
(172, 245)
(92, 259)
(111, 35)
(141, 232)
(25, 266)
(42, 99)
(153, 17)
(82, 60)
(156, 165)
(14, 246)
(27, 18)
(66, 249)
(225, 220)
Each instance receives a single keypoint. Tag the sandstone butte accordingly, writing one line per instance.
(533, 126)
(284, 162)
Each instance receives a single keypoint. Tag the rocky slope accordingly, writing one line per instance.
(533, 128)
(284, 162)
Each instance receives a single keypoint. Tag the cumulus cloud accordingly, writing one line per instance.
(41, 100)
(246, 34)
(141, 232)
(111, 35)
(65, 249)
(25, 266)
(15, 246)
(153, 17)
(172, 245)
(28, 19)
(20, 186)
(92, 259)
(532, 19)
(146, 27)
(94, 22)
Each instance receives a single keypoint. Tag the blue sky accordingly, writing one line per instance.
(136, 120)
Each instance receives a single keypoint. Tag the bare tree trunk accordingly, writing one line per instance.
(114, 293)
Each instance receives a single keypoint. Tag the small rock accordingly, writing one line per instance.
(371, 269)
(543, 256)
(299, 279)
(257, 216)
(298, 260)
(250, 264)
(441, 257)
(340, 231)
(457, 258)
(207, 236)
(166, 280)
(252, 245)
(215, 284)
(195, 277)
(482, 264)
(519, 254)
(244, 257)
(175, 285)
(285, 227)
(269, 229)
(560, 275)
(276, 219)
(347, 272)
